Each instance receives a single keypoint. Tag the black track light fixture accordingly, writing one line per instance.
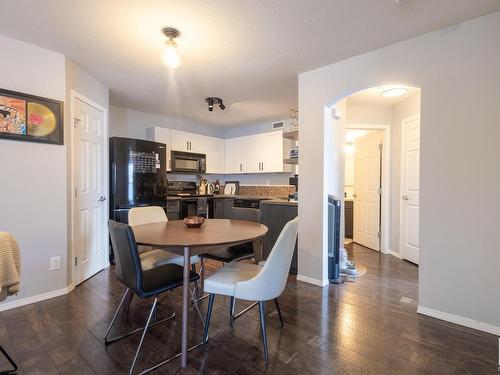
(211, 100)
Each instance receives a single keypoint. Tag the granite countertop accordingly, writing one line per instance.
(280, 202)
(227, 196)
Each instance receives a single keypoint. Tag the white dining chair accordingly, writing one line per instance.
(150, 257)
(253, 282)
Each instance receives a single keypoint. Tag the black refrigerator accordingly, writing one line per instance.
(137, 175)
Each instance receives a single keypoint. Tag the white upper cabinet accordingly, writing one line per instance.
(189, 142)
(271, 152)
(233, 155)
(161, 135)
(261, 153)
(214, 148)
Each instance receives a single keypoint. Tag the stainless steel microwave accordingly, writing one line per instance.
(188, 162)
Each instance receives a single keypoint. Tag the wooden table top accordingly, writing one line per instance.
(174, 235)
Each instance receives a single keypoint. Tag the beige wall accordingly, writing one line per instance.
(457, 70)
(33, 175)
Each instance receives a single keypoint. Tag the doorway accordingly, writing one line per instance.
(382, 152)
(89, 188)
(410, 189)
(366, 211)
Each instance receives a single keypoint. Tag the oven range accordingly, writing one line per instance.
(191, 203)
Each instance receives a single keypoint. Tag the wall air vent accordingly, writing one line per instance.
(278, 125)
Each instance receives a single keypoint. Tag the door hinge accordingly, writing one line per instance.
(380, 146)
(380, 190)
(379, 234)
(76, 261)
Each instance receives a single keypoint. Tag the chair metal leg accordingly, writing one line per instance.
(11, 361)
(126, 308)
(262, 315)
(151, 313)
(108, 340)
(279, 312)
(196, 285)
(114, 316)
(211, 298)
(194, 301)
(202, 274)
(231, 310)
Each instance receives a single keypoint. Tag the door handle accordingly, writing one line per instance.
(405, 197)
(102, 199)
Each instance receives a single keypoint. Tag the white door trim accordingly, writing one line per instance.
(404, 123)
(386, 179)
(76, 95)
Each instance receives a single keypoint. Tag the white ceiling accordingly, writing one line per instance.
(248, 52)
(372, 96)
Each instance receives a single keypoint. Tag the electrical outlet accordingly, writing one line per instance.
(55, 263)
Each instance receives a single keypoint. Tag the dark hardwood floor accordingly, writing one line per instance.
(355, 328)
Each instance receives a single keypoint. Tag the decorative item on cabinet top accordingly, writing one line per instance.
(25, 117)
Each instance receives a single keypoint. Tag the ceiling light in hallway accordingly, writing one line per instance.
(169, 56)
(390, 91)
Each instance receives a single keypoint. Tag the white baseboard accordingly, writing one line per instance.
(460, 320)
(394, 254)
(39, 297)
(310, 280)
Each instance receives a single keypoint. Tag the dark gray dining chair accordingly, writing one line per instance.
(145, 284)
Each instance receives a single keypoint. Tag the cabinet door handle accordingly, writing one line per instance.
(262, 165)
(241, 167)
(187, 145)
(190, 146)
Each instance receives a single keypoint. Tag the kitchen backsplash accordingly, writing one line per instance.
(267, 190)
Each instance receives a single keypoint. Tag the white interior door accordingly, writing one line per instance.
(366, 190)
(410, 189)
(90, 195)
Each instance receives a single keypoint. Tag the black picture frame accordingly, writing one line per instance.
(55, 106)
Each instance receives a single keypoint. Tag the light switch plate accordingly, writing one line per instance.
(55, 263)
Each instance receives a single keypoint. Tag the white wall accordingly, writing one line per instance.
(368, 114)
(457, 70)
(129, 123)
(33, 175)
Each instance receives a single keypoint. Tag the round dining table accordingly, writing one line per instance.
(214, 234)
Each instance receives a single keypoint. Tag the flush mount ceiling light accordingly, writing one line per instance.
(390, 91)
(211, 100)
(169, 56)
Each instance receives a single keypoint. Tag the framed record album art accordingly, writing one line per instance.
(25, 117)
